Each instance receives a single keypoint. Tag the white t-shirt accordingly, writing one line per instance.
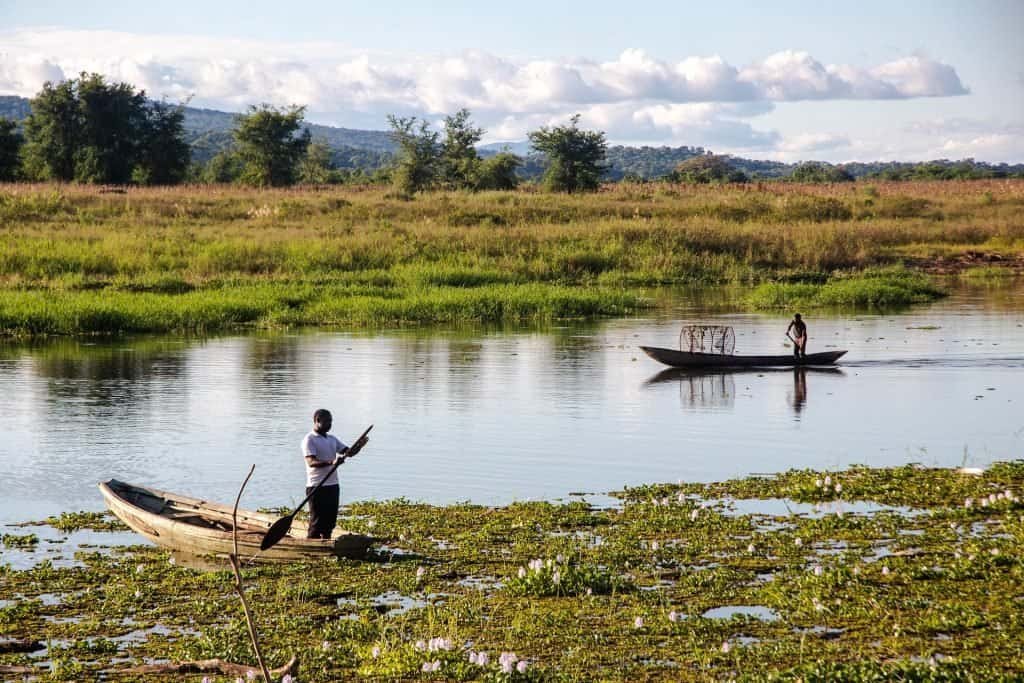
(324, 449)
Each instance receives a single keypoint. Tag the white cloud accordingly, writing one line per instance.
(637, 98)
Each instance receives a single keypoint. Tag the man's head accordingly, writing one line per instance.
(796, 316)
(322, 421)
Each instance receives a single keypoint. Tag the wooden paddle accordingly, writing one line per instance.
(280, 528)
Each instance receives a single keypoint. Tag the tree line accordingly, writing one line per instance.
(91, 131)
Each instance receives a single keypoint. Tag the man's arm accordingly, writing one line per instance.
(313, 462)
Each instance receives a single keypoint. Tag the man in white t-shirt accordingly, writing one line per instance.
(321, 451)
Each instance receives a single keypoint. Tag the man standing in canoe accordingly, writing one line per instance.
(799, 336)
(321, 451)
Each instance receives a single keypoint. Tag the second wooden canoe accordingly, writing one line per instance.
(200, 527)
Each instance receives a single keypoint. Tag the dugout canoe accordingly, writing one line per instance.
(685, 359)
(200, 527)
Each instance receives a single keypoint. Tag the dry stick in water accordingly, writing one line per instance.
(239, 588)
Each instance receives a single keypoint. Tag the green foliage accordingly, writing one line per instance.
(165, 156)
(707, 168)
(91, 131)
(499, 172)
(819, 172)
(316, 167)
(574, 156)
(460, 163)
(419, 155)
(887, 287)
(16, 541)
(551, 577)
(225, 167)
(11, 142)
(271, 143)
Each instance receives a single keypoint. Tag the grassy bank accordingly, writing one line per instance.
(895, 574)
(79, 259)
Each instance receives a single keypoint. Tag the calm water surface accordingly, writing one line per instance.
(495, 416)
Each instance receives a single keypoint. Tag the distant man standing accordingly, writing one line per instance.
(799, 336)
(321, 451)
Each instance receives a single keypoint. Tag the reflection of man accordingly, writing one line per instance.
(799, 389)
(799, 336)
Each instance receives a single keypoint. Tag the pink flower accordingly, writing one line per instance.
(638, 622)
(521, 666)
(725, 646)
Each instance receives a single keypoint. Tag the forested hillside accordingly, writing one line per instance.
(208, 132)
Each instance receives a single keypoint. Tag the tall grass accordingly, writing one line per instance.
(76, 259)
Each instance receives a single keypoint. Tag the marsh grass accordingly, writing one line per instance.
(927, 589)
(871, 288)
(193, 258)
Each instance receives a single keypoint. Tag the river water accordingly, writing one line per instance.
(493, 416)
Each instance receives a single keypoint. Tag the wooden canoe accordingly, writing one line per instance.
(685, 359)
(202, 528)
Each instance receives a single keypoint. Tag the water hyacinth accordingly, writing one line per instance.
(798, 542)
(375, 652)
(430, 667)
(885, 571)
(507, 661)
(420, 571)
(436, 644)
(693, 516)
(725, 646)
(674, 616)
(751, 549)
(638, 622)
(521, 666)
(287, 678)
(818, 571)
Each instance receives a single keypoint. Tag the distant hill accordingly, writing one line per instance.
(208, 132)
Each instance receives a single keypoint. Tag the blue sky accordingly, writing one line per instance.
(787, 80)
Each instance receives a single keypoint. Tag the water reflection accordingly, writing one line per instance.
(799, 389)
(716, 389)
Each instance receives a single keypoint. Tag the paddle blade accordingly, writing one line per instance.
(276, 532)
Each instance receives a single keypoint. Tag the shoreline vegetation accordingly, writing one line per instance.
(80, 259)
(904, 573)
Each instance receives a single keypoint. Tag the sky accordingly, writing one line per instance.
(785, 80)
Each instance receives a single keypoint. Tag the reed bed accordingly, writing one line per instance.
(85, 259)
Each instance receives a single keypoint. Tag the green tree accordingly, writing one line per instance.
(499, 172)
(460, 162)
(88, 130)
(113, 119)
(574, 156)
(10, 150)
(53, 131)
(316, 167)
(271, 142)
(223, 167)
(819, 172)
(165, 156)
(707, 168)
(419, 154)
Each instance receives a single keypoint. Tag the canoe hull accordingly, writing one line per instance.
(685, 359)
(199, 527)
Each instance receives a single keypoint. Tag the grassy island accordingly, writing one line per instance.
(84, 260)
(908, 573)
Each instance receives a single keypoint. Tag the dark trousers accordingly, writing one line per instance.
(323, 510)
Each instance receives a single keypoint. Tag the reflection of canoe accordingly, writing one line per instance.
(676, 374)
(685, 359)
(196, 526)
